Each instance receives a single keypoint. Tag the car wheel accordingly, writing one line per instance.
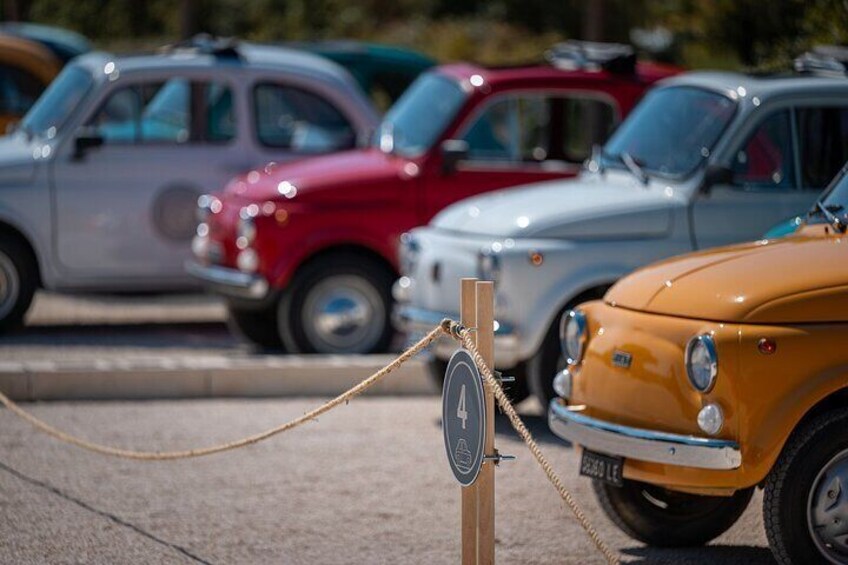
(339, 304)
(516, 391)
(18, 275)
(665, 518)
(255, 326)
(805, 506)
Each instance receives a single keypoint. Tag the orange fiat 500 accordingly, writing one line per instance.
(700, 378)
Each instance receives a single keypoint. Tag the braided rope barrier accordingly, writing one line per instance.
(467, 341)
(200, 452)
(446, 327)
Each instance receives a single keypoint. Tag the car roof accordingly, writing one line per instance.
(246, 55)
(645, 72)
(761, 86)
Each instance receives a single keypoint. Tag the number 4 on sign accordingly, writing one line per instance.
(460, 408)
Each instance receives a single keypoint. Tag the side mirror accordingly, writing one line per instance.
(86, 139)
(453, 151)
(716, 174)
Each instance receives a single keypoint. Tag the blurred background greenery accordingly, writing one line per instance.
(694, 33)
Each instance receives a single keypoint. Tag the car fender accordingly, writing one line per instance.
(547, 307)
(342, 237)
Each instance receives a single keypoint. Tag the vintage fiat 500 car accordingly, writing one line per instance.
(307, 252)
(706, 159)
(699, 378)
(99, 185)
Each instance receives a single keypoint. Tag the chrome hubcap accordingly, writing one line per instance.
(10, 285)
(343, 314)
(827, 509)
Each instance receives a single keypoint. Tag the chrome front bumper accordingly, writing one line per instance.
(229, 282)
(641, 444)
(412, 321)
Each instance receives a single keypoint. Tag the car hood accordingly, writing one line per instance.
(346, 174)
(593, 206)
(802, 278)
(18, 159)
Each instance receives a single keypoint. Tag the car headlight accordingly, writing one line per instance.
(489, 266)
(573, 334)
(702, 362)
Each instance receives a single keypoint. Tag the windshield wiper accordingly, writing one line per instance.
(633, 167)
(827, 212)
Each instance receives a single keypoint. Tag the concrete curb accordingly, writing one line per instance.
(207, 377)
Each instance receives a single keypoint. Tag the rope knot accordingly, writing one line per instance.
(452, 328)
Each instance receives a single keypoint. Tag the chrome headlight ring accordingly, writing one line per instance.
(573, 335)
(702, 362)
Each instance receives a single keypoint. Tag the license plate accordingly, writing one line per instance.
(602, 467)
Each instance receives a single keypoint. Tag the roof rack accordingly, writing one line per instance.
(206, 44)
(592, 56)
(824, 60)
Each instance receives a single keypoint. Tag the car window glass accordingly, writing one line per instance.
(823, 136)
(174, 111)
(52, 110)
(118, 118)
(535, 128)
(220, 117)
(586, 122)
(18, 90)
(671, 131)
(765, 160)
(292, 118)
(494, 136)
(421, 115)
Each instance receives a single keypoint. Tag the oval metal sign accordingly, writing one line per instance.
(463, 417)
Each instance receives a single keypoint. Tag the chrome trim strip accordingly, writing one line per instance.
(230, 282)
(641, 444)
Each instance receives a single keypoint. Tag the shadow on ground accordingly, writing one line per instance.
(724, 554)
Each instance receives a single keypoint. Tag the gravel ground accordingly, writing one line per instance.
(368, 483)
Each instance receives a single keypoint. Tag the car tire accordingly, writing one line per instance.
(663, 518)
(258, 327)
(340, 304)
(805, 503)
(544, 365)
(515, 391)
(18, 280)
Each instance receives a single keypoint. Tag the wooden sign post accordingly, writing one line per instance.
(477, 309)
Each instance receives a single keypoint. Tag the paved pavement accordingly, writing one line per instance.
(170, 346)
(368, 483)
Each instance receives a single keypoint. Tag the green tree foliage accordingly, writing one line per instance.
(708, 33)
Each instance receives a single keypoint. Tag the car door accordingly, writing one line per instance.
(521, 138)
(777, 172)
(125, 203)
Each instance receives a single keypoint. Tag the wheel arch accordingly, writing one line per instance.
(346, 249)
(8, 230)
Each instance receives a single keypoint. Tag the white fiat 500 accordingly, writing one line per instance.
(99, 184)
(706, 159)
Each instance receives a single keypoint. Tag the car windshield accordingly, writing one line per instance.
(671, 131)
(414, 123)
(53, 108)
(835, 200)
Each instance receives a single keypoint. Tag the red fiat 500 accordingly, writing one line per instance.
(306, 252)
